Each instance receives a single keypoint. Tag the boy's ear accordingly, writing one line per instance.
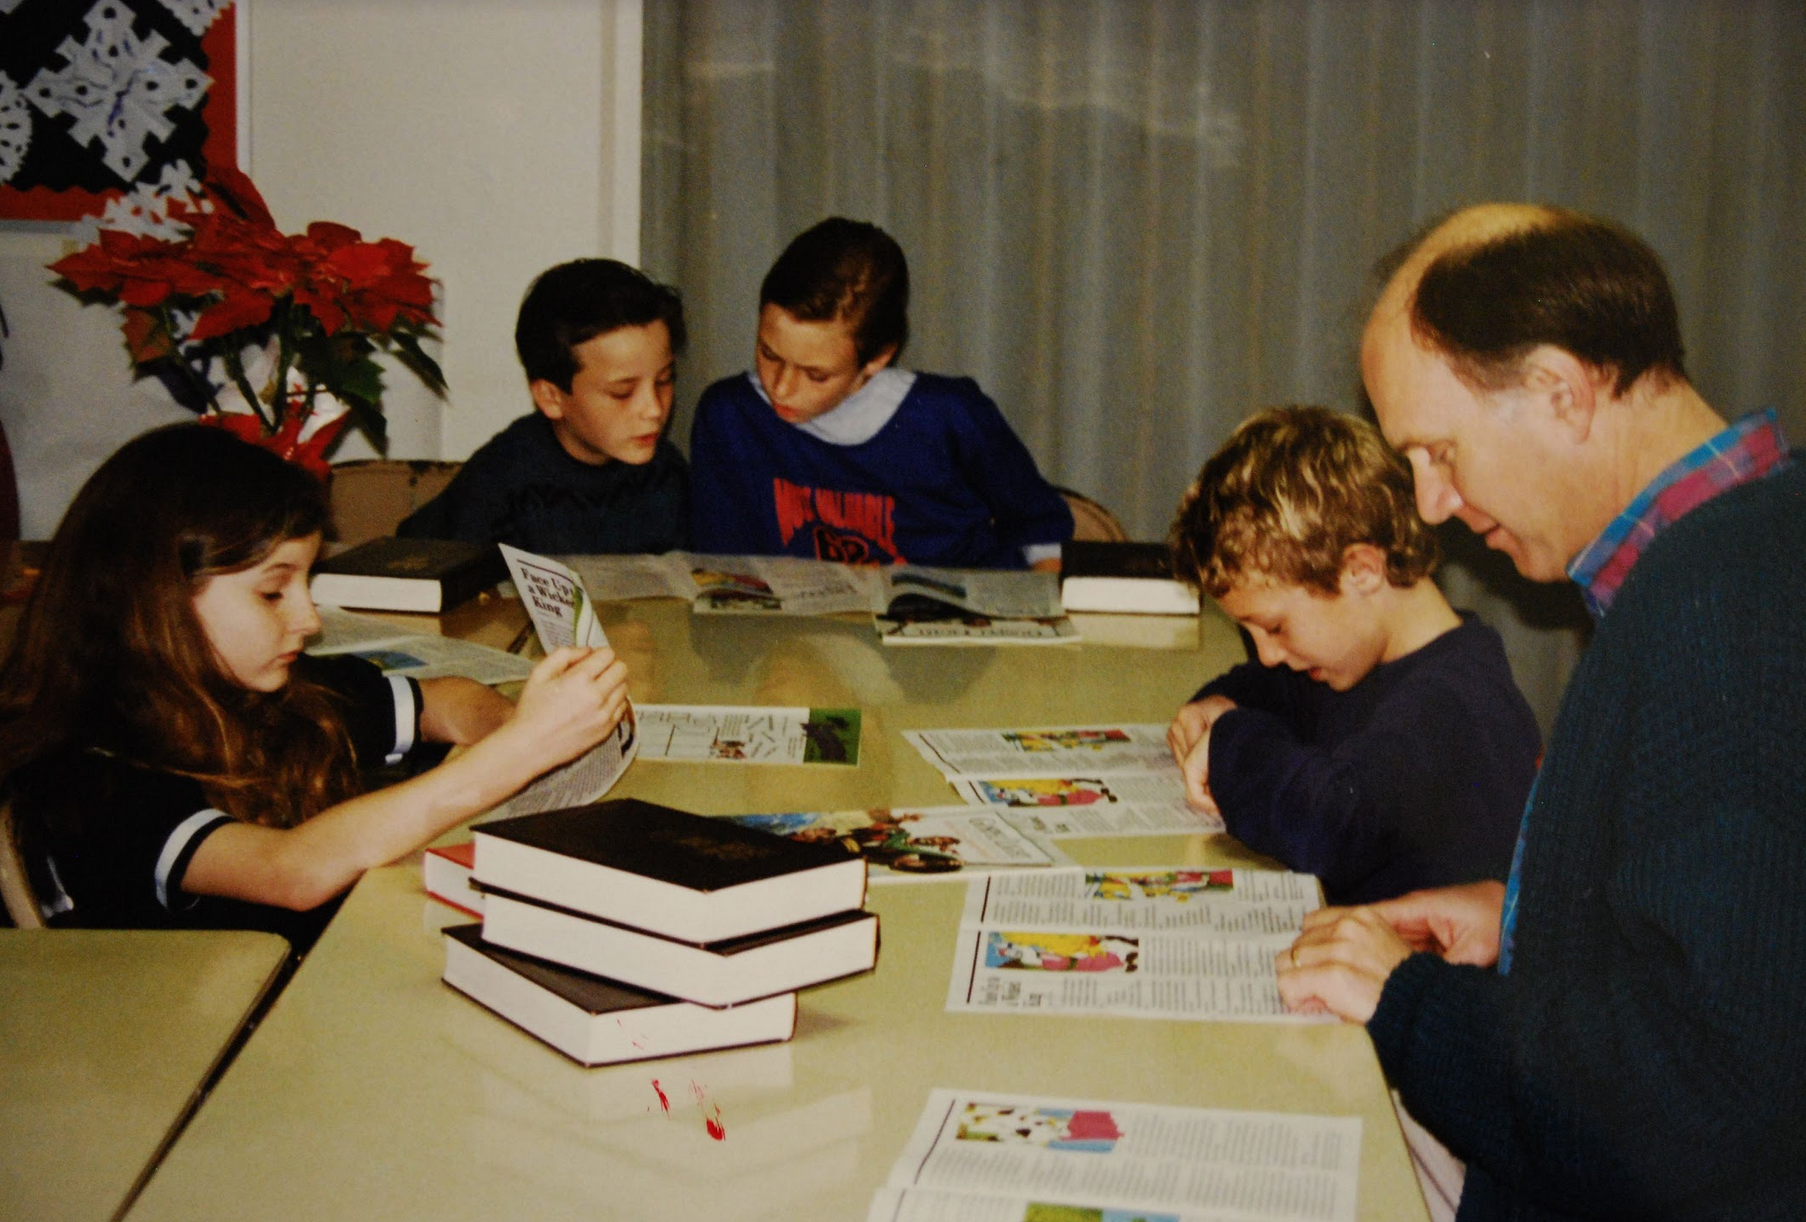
(547, 397)
(878, 362)
(1363, 569)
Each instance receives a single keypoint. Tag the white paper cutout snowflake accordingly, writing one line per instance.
(117, 88)
(145, 208)
(7, 6)
(15, 128)
(197, 15)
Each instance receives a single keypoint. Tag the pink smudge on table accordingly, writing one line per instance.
(662, 1101)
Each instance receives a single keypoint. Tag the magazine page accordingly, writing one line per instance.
(778, 585)
(1025, 594)
(923, 843)
(616, 578)
(1231, 902)
(1108, 1160)
(1125, 804)
(748, 735)
(418, 655)
(1047, 751)
(555, 599)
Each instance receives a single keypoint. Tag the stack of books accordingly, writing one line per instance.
(625, 930)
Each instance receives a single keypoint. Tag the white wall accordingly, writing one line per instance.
(496, 138)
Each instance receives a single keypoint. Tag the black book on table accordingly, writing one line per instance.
(729, 972)
(391, 574)
(1115, 576)
(596, 1021)
(666, 871)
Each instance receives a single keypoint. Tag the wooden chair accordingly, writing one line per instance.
(370, 497)
(15, 885)
(1091, 522)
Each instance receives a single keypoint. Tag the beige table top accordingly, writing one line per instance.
(106, 1036)
(372, 1090)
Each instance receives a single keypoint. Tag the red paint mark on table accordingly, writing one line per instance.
(662, 1101)
(711, 1112)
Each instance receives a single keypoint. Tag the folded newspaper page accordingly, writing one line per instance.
(923, 843)
(563, 614)
(1150, 942)
(983, 1157)
(721, 734)
(1045, 751)
(418, 655)
(1124, 804)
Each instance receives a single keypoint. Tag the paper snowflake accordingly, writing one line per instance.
(118, 88)
(197, 15)
(15, 128)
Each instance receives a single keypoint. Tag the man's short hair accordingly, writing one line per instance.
(1580, 283)
(574, 302)
(1286, 497)
(844, 271)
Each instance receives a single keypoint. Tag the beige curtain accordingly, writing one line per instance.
(1134, 223)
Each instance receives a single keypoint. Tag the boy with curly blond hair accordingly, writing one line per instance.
(1377, 740)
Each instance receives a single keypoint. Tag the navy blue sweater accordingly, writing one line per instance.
(1414, 777)
(1645, 1057)
(945, 481)
(521, 488)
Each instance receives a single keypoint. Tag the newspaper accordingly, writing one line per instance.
(982, 1157)
(1125, 804)
(1046, 751)
(563, 614)
(778, 585)
(1150, 942)
(417, 655)
(1231, 902)
(721, 734)
(933, 842)
(733, 585)
(999, 594)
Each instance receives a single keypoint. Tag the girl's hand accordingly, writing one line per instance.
(573, 700)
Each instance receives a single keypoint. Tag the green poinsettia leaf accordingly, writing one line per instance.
(414, 358)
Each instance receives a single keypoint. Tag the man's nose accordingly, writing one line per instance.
(1437, 499)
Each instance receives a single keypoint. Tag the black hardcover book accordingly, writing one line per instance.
(730, 972)
(390, 574)
(1101, 576)
(668, 871)
(598, 1021)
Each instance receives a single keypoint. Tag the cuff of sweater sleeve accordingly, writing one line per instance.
(1231, 733)
(1394, 1019)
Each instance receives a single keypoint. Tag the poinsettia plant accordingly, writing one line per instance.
(263, 332)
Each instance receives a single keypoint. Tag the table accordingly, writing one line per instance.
(372, 1090)
(107, 1038)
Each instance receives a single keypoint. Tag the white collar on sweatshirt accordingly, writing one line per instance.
(861, 414)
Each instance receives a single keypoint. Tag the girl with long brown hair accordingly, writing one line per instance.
(171, 756)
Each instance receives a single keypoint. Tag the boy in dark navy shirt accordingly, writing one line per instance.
(590, 471)
(1379, 741)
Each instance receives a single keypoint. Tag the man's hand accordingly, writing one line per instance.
(1340, 963)
(1459, 923)
(1189, 739)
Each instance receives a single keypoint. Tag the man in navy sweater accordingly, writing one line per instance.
(1616, 1032)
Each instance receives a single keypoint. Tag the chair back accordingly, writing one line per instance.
(370, 497)
(15, 885)
(1091, 522)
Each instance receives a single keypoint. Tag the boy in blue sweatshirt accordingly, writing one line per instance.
(827, 450)
(1379, 741)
